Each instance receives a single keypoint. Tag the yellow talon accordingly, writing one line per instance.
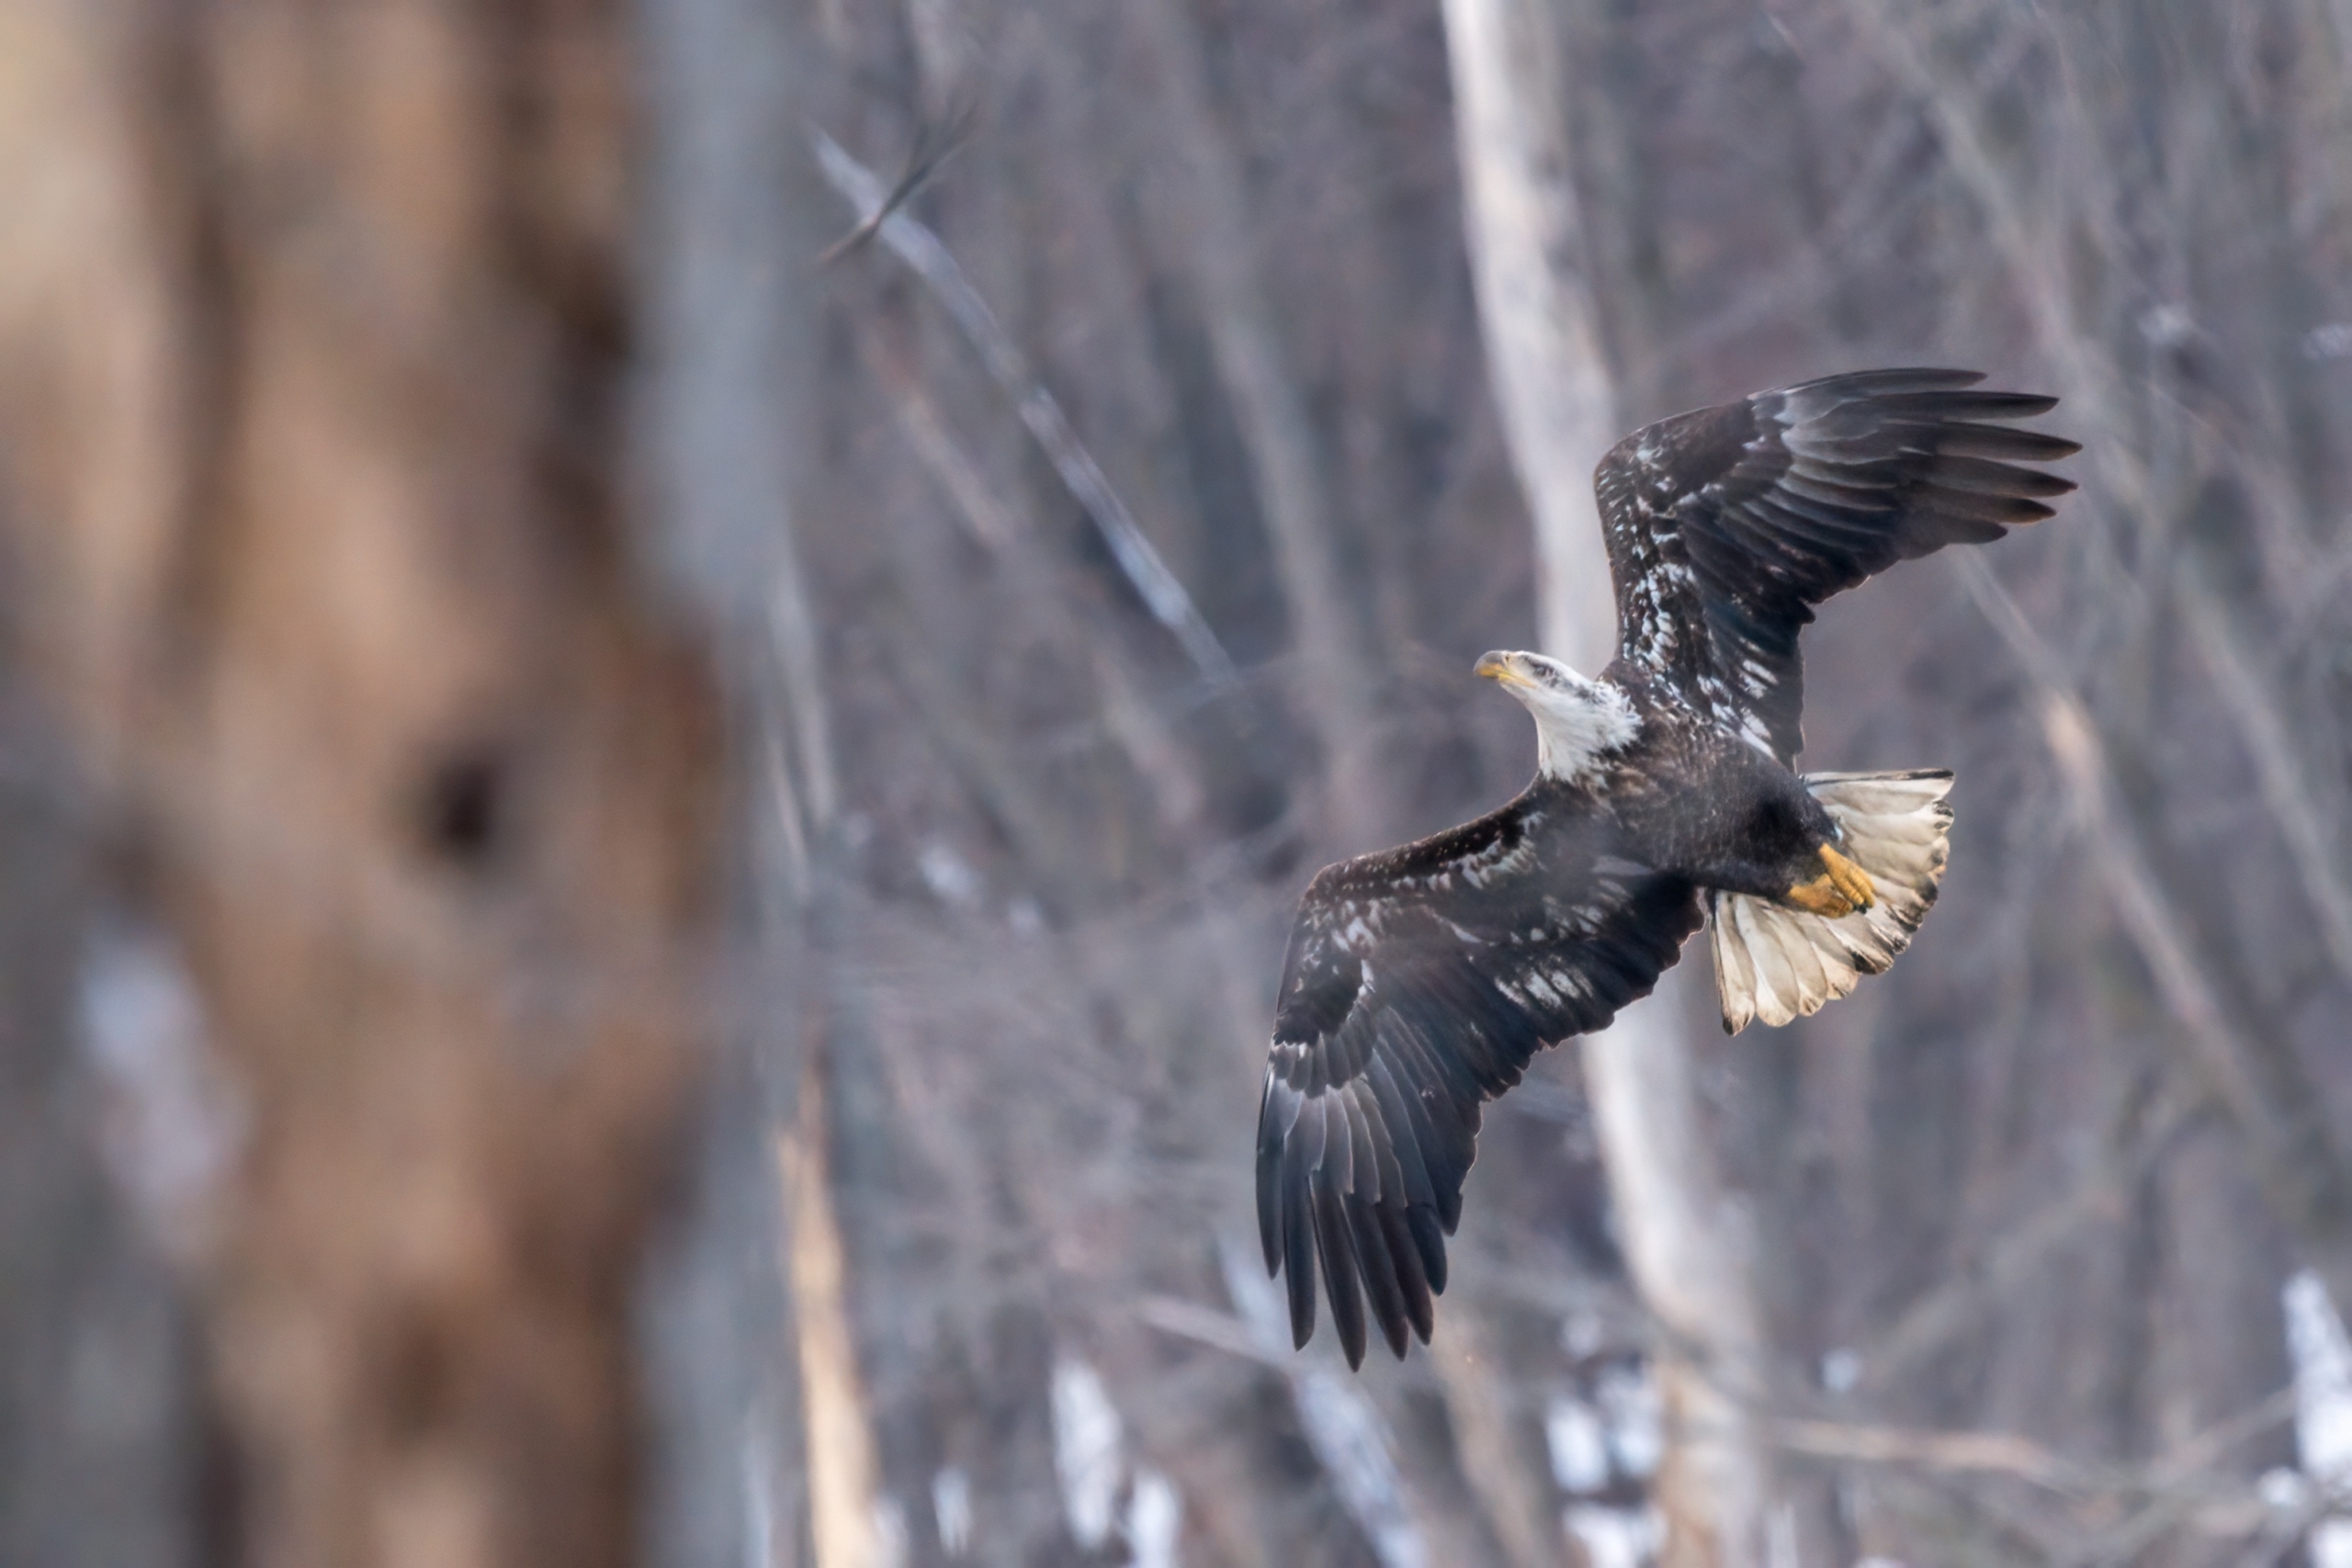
(1821, 897)
(1840, 890)
(1851, 880)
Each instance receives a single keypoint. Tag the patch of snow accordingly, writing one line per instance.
(1629, 1409)
(1155, 1520)
(176, 1121)
(950, 877)
(1086, 1450)
(2322, 1358)
(951, 1509)
(1580, 1448)
(1614, 1538)
(2283, 1491)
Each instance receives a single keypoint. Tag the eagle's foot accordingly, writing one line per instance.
(1851, 879)
(1821, 897)
(1841, 889)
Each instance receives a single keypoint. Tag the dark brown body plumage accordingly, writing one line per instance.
(1691, 799)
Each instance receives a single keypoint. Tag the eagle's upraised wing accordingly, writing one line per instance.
(1726, 526)
(1418, 984)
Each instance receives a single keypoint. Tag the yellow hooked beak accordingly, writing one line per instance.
(1497, 667)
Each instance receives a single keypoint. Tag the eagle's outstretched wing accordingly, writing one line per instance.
(1726, 526)
(1418, 982)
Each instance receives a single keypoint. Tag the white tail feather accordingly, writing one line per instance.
(1775, 962)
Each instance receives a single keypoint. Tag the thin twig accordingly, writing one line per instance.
(1993, 1454)
(935, 142)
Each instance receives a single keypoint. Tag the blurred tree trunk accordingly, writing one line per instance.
(736, 207)
(1536, 301)
(1541, 317)
(1692, 1259)
(314, 386)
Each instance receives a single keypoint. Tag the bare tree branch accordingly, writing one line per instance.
(935, 142)
(844, 1471)
(1524, 229)
(2315, 853)
(1133, 721)
(2250, 1070)
(921, 249)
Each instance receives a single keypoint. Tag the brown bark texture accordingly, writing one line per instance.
(316, 526)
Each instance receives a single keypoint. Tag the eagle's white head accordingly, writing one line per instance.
(1576, 720)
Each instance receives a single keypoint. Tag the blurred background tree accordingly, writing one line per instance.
(317, 335)
(640, 873)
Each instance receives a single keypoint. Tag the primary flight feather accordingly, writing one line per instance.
(1419, 981)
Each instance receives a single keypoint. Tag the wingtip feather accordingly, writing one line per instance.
(1384, 1291)
(1337, 1248)
(1270, 1164)
(1424, 1224)
(1298, 1275)
(1894, 380)
(1411, 1278)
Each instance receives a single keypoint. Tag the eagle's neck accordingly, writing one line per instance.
(1577, 728)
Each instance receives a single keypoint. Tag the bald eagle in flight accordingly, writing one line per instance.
(1421, 981)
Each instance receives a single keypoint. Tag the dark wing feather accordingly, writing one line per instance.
(1418, 984)
(1726, 526)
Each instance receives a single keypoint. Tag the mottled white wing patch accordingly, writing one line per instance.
(1418, 984)
(1727, 525)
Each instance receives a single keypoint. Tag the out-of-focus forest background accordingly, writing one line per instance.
(646, 828)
